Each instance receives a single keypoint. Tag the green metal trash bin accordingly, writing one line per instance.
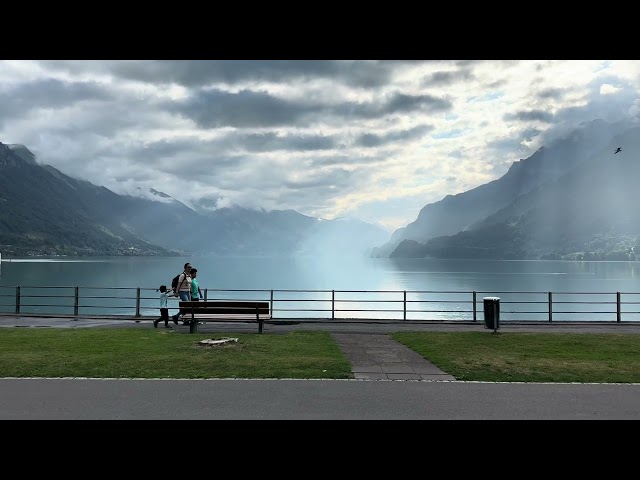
(491, 312)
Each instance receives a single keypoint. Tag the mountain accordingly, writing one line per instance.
(587, 213)
(456, 213)
(44, 211)
(24, 153)
(240, 231)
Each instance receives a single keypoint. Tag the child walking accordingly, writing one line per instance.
(164, 310)
(196, 293)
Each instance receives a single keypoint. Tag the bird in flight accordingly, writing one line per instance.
(618, 150)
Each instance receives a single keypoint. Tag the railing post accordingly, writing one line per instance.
(17, 298)
(76, 301)
(271, 304)
(206, 290)
(405, 305)
(138, 302)
(550, 307)
(618, 311)
(333, 304)
(475, 312)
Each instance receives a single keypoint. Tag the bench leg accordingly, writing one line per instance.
(193, 326)
(260, 322)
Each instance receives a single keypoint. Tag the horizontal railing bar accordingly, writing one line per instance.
(298, 310)
(440, 311)
(261, 290)
(537, 312)
(117, 298)
(70, 286)
(612, 312)
(22, 295)
(365, 310)
(131, 307)
(583, 293)
(585, 303)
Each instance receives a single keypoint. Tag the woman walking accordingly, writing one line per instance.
(183, 290)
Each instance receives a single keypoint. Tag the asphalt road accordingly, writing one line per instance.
(121, 399)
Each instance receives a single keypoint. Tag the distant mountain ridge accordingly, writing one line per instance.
(45, 212)
(456, 213)
(579, 203)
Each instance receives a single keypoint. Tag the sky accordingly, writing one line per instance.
(375, 140)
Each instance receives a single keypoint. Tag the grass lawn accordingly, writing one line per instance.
(160, 353)
(135, 353)
(531, 357)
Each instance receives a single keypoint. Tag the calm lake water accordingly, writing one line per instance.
(436, 289)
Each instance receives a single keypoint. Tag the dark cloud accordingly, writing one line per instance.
(401, 103)
(466, 63)
(369, 140)
(457, 153)
(271, 141)
(496, 84)
(347, 159)
(251, 109)
(323, 184)
(19, 101)
(511, 143)
(183, 158)
(504, 147)
(251, 142)
(552, 93)
(396, 103)
(438, 79)
(322, 181)
(217, 108)
(166, 152)
(610, 107)
(198, 73)
(530, 133)
(530, 115)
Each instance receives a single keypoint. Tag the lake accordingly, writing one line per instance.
(436, 289)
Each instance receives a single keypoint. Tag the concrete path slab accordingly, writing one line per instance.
(379, 357)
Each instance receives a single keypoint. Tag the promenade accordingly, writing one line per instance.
(391, 382)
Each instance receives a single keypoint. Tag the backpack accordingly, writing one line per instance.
(174, 282)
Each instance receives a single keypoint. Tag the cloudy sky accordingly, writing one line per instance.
(376, 140)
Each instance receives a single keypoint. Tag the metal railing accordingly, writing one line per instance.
(391, 305)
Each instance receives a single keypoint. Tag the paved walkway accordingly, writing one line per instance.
(379, 357)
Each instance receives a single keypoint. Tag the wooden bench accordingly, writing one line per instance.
(244, 311)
